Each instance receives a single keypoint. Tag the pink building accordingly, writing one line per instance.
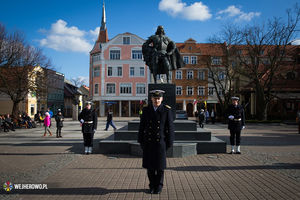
(118, 75)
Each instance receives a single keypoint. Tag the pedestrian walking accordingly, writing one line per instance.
(51, 115)
(156, 135)
(47, 124)
(88, 120)
(201, 117)
(109, 121)
(59, 123)
(206, 116)
(236, 115)
(213, 115)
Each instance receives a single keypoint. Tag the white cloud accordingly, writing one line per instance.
(232, 11)
(196, 11)
(95, 33)
(296, 42)
(63, 38)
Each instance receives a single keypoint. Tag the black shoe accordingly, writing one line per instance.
(151, 191)
(158, 191)
(232, 152)
(238, 152)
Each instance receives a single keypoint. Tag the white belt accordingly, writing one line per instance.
(89, 122)
(237, 120)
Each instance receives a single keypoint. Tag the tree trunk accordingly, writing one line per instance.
(15, 110)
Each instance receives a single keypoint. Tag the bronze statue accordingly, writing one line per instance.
(161, 54)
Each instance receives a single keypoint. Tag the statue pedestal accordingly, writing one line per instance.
(169, 95)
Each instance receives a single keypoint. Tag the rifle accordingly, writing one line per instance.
(244, 106)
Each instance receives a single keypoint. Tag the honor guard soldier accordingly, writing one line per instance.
(156, 135)
(88, 120)
(235, 114)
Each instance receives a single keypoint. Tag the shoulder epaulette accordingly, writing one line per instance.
(168, 106)
(145, 106)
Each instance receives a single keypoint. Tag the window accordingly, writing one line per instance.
(142, 71)
(96, 71)
(190, 48)
(220, 91)
(178, 90)
(120, 72)
(141, 88)
(221, 76)
(201, 90)
(201, 75)
(239, 52)
(96, 57)
(131, 72)
(115, 54)
(262, 53)
(178, 74)
(216, 61)
(189, 90)
(233, 64)
(210, 75)
(110, 88)
(186, 59)
(137, 55)
(194, 60)
(114, 71)
(290, 76)
(109, 71)
(210, 91)
(96, 88)
(126, 40)
(125, 88)
(189, 75)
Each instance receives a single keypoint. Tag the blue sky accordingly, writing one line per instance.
(67, 30)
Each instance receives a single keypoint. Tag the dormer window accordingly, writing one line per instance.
(126, 40)
(190, 48)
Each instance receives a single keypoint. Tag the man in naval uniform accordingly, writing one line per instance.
(156, 135)
(88, 120)
(235, 114)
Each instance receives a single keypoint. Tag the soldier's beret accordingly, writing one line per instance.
(157, 93)
(235, 98)
(88, 103)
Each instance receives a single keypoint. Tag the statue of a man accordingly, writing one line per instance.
(161, 54)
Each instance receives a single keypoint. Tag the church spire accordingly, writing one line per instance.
(103, 22)
(103, 36)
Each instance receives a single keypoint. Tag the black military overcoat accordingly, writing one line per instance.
(88, 115)
(238, 113)
(156, 135)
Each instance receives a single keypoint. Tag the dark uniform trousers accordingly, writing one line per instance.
(234, 126)
(156, 135)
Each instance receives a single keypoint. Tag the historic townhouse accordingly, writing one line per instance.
(285, 81)
(118, 74)
(194, 89)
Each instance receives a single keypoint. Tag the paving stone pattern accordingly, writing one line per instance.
(268, 167)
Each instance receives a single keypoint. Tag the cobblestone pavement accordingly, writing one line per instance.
(268, 167)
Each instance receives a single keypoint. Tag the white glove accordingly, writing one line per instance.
(243, 127)
(81, 121)
(94, 130)
(231, 117)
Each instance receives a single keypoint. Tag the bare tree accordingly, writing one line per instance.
(18, 64)
(264, 54)
(256, 55)
(78, 81)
